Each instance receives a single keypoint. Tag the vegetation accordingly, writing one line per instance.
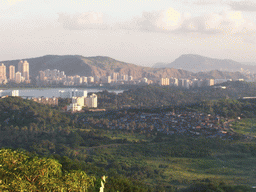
(63, 149)
(153, 96)
(20, 172)
(245, 126)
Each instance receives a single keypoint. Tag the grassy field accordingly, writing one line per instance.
(245, 126)
(130, 137)
(226, 165)
(183, 171)
(151, 161)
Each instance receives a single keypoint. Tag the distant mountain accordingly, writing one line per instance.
(159, 65)
(215, 74)
(249, 63)
(93, 66)
(197, 63)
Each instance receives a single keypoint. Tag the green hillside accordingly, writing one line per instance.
(133, 158)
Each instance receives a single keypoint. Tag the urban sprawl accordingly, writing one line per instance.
(79, 97)
(57, 77)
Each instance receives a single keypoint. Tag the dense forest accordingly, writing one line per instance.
(156, 96)
(53, 150)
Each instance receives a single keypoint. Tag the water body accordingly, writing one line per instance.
(54, 92)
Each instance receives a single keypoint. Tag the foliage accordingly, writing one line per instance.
(19, 172)
(217, 187)
(226, 107)
(134, 160)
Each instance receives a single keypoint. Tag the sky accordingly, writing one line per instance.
(142, 32)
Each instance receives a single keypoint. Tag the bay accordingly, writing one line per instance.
(54, 92)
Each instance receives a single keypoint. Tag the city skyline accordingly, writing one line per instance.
(22, 74)
(140, 32)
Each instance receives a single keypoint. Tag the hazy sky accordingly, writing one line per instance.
(136, 31)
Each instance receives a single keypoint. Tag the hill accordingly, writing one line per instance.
(215, 74)
(104, 66)
(92, 66)
(137, 157)
(198, 63)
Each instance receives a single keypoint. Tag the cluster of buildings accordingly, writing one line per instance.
(186, 122)
(47, 101)
(49, 77)
(79, 99)
(187, 83)
(43, 100)
(22, 75)
(13, 93)
(58, 77)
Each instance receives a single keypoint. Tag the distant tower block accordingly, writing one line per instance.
(12, 73)
(2, 72)
(26, 70)
(41, 75)
(20, 67)
(18, 77)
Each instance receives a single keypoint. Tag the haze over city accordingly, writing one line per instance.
(141, 32)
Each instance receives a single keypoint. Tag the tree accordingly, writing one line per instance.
(20, 172)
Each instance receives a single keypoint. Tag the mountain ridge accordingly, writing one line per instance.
(91, 66)
(198, 63)
(104, 66)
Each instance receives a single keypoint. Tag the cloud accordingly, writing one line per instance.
(243, 5)
(250, 38)
(12, 2)
(87, 20)
(170, 20)
(202, 2)
(227, 22)
(206, 2)
(164, 20)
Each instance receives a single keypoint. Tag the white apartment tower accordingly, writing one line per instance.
(165, 81)
(41, 75)
(26, 70)
(2, 72)
(18, 77)
(23, 68)
(12, 73)
(73, 93)
(20, 67)
(91, 101)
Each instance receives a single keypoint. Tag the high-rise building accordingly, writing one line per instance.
(73, 93)
(178, 82)
(2, 73)
(93, 98)
(26, 70)
(12, 73)
(20, 67)
(90, 79)
(14, 93)
(78, 100)
(211, 82)
(109, 79)
(165, 81)
(91, 101)
(125, 77)
(115, 76)
(41, 75)
(84, 79)
(18, 77)
(145, 80)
